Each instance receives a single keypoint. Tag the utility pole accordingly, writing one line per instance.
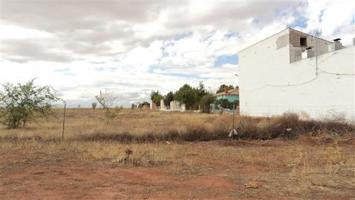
(234, 108)
(316, 35)
(316, 57)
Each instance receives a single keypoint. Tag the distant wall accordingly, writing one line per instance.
(271, 85)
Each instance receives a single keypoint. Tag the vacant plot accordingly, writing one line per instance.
(154, 155)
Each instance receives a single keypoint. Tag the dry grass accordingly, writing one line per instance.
(317, 164)
(84, 122)
(145, 126)
(289, 126)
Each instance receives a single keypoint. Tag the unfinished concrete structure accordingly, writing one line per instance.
(177, 106)
(292, 71)
(162, 105)
(303, 45)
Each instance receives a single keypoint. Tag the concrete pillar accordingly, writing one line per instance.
(172, 105)
(162, 105)
(183, 108)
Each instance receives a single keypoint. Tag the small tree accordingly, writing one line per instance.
(168, 98)
(224, 88)
(144, 104)
(94, 105)
(106, 100)
(205, 103)
(21, 102)
(156, 97)
(187, 95)
(201, 90)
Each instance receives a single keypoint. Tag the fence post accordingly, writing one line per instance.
(65, 107)
(234, 108)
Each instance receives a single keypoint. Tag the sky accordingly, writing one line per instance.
(130, 47)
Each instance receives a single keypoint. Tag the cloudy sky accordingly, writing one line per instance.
(131, 47)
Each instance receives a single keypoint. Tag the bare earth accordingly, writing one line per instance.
(194, 176)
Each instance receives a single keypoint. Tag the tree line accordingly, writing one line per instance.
(193, 97)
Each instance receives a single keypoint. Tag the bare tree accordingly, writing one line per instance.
(106, 99)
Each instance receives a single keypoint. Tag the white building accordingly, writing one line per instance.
(292, 71)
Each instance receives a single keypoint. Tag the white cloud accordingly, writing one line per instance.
(333, 18)
(131, 47)
(9, 31)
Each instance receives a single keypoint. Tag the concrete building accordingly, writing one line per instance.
(292, 71)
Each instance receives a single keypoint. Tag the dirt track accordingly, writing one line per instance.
(70, 179)
(77, 181)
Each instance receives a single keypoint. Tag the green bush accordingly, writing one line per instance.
(21, 102)
(205, 103)
(155, 96)
(224, 103)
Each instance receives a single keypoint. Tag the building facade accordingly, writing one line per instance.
(292, 71)
(231, 97)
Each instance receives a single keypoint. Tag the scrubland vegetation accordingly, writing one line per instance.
(145, 126)
(140, 154)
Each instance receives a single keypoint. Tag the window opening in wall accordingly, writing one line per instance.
(303, 41)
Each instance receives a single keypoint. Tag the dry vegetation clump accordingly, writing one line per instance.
(288, 126)
(192, 135)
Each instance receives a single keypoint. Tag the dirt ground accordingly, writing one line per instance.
(36, 164)
(200, 172)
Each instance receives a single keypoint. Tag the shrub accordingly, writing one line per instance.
(22, 102)
(187, 95)
(287, 126)
(155, 96)
(205, 103)
(94, 105)
(168, 98)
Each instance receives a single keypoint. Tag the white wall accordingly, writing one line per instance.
(270, 85)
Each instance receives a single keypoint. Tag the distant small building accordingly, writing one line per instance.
(153, 106)
(145, 105)
(228, 99)
(231, 95)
